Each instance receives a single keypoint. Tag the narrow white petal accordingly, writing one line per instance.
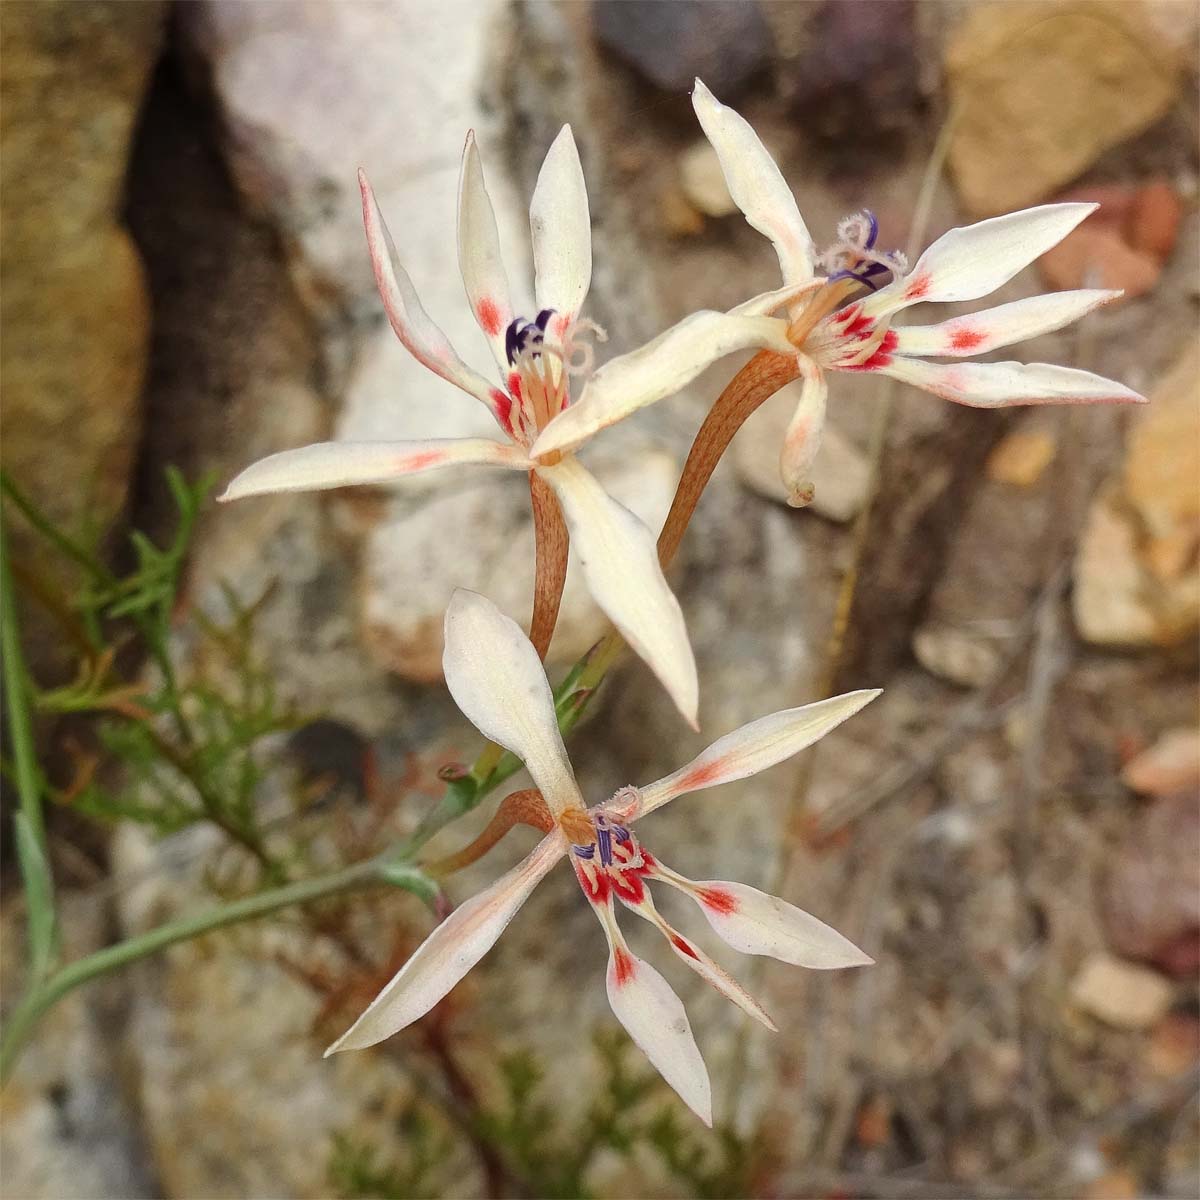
(708, 970)
(1004, 384)
(755, 923)
(768, 303)
(496, 678)
(340, 464)
(479, 256)
(413, 326)
(973, 260)
(977, 333)
(659, 368)
(450, 951)
(803, 437)
(561, 229)
(655, 1018)
(755, 747)
(756, 184)
(620, 564)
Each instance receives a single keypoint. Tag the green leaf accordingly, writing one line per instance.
(39, 898)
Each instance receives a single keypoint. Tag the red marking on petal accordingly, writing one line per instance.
(624, 966)
(489, 316)
(702, 775)
(966, 339)
(559, 324)
(718, 899)
(418, 462)
(882, 356)
(597, 891)
(514, 386)
(683, 946)
(629, 886)
(917, 287)
(503, 406)
(861, 326)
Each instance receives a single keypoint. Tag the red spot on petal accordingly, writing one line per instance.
(559, 324)
(489, 316)
(503, 406)
(882, 356)
(624, 966)
(629, 886)
(596, 891)
(966, 339)
(702, 775)
(718, 899)
(861, 327)
(917, 287)
(514, 386)
(684, 947)
(418, 462)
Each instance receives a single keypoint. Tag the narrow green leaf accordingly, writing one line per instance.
(39, 899)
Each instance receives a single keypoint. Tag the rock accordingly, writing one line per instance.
(1021, 457)
(1137, 571)
(1150, 900)
(855, 81)
(1099, 257)
(671, 42)
(1171, 765)
(956, 655)
(411, 566)
(74, 305)
(703, 181)
(841, 473)
(1045, 90)
(1120, 993)
(1154, 220)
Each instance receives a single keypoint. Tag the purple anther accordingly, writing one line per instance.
(874, 224)
(623, 834)
(584, 851)
(522, 335)
(604, 840)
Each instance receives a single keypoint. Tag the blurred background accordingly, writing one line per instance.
(1012, 831)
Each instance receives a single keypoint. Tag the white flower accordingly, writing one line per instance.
(497, 680)
(833, 329)
(537, 356)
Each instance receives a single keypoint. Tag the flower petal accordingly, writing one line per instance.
(340, 464)
(413, 326)
(755, 923)
(1004, 384)
(655, 1018)
(479, 256)
(450, 951)
(561, 230)
(756, 184)
(977, 333)
(755, 747)
(803, 437)
(768, 303)
(620, 564)
(496, 678)
(657, 369)
(711, 972)
(973, 260)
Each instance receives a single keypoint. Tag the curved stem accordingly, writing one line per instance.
(519, 808)
(756, 382)
(550, 546)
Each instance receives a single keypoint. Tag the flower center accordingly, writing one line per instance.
(853, 255)
(605, 854)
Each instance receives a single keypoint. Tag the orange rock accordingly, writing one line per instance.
(1098, 257)
(1154, 218)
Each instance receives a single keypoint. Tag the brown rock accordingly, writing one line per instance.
(1171, 765)
(1174, 1045)
(74, 305)
(1021, 458)
(1045, 89)
(1154, 219)
(1120, 993)
(1150, 900)
(1098, 256)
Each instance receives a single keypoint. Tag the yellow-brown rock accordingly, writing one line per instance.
(74, 303)
(1044, 90)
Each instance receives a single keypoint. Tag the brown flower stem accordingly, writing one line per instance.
(550, 544)
(520, 808)
(757, 381)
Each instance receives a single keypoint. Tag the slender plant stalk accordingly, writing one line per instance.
(375, 872)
